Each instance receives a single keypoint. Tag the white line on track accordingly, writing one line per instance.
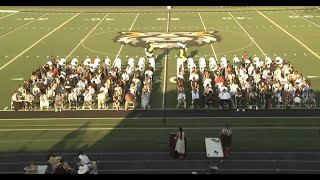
(87, 36)
(305, 19)
(151, 128)
(248, 35)
(215, 55)
(37, 42)
(5, 108)
(21, 26)
(9, 15)
(312, 52)
(129, 31)
(154, 118)
(166, 161)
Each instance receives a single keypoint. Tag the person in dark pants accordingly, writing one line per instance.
(226, 139)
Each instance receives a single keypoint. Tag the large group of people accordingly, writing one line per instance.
(242, 83)
(60, 84)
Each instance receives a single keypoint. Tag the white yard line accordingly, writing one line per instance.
(312, 52)
(22, 26)
(9, 15)
(129, 31)
(150, 128)
(5, 108)
(165, 69)
(153, 118)
(37, 42)
(305, 18)
(86, 36)
(248, 35)
(215, 55)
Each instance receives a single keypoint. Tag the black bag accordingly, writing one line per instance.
(60, 170)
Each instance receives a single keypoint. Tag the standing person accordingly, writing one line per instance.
(226, 139)
(180, 144)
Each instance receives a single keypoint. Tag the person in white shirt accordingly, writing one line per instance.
(44, 102)
(87, 62)
(194, 75)
(74, 63)
(117, 63)
(224, 97)
(87, 100)
(101, 100)
(85, 161)
(125, 76)
(195, 98)
(72, 98)
(181, 100)
(145, 96)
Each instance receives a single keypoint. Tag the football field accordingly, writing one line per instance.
(29, 39)
(30, 36)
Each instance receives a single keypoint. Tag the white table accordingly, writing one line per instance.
(41, 169)
(214, 152)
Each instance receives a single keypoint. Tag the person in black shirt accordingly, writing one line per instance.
(226, 139)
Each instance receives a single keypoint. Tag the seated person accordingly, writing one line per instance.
(116, 101)
(253, 97)
(87, 99)
(29, 101)
(85, 161)
(130, 98)
(195, 98)
(239, 99)
(58, 103)
(72, 98)
(102, 98)
(181, 100)
(145, 96)
(209, 99)
(224, 97)
(297, 100)
(44, 102)
(267, 98)
(16, 103)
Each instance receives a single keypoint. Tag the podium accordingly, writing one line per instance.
(214, 152)
(172, 145)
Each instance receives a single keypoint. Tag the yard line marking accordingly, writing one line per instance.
(129, 31)
(21, 26)
(9, 15)
(153, 118)
(37, 42)
(215, 55)
(305, 18)
(312, 77)
(312, 52)
(5, 108)
(147, 128)
(87, 35)
(248, 35)
(165, 68)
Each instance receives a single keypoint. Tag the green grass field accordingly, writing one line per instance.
(30, 37)
(151, 135)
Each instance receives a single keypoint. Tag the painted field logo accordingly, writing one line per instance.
(166, 40)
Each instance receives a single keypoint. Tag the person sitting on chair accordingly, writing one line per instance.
(239, 99)
(102, 100)
(181, 99)
(58, 103)
(209, 99)
(225, 97)
(116, 101)
(130, 98)
(195, 98)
